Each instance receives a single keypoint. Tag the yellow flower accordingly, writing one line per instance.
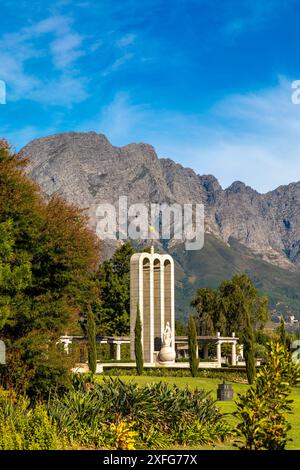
(124, 437)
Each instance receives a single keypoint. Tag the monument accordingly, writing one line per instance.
(152, 289)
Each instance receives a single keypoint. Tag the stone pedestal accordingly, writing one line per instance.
(166, 355)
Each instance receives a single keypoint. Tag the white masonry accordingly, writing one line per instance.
(152, 288)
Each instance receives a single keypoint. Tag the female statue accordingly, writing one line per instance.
(167, 335)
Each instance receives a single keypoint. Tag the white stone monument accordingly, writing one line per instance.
(152, 288)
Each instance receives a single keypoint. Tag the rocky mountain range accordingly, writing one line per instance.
(86, 169)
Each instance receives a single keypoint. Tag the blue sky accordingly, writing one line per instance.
(207, 82)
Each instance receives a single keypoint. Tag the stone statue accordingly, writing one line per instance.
(167, 353)
(167, 337)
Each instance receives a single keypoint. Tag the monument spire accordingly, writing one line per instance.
(152, 231)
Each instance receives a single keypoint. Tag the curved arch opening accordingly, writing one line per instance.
(146, 309)
(157, 304)
(168, 291)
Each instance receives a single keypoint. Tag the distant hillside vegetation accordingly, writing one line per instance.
(217, 261)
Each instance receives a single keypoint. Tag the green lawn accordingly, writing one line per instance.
(229, 406)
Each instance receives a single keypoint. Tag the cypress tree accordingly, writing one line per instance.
(138, 348)
(192, 337)
(91, 336)
(248, 341)
(283, 338)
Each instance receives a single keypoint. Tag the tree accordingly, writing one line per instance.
(15, 273)
(206, 303)
(262, 410)
(192, 338)
(138, 347)
(48, 259)
(121, 260)
(236, 306)
(112, 313)
(91, 338)
(248, 341)
(180, 328)
(281, 331)
(239, 297)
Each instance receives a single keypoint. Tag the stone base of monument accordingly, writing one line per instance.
(166, 356)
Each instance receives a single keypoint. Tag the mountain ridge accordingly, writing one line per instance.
(86, 169)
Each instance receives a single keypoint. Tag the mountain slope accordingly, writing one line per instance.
(245, 227)
(218, 261)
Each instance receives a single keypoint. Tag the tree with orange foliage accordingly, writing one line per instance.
(48, 259)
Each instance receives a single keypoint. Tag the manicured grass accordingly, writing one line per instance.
(226, 406)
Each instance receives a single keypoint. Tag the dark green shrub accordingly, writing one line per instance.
(138, 348)
(91, 336)
(192, 338)
(248, 341)
(235, 374)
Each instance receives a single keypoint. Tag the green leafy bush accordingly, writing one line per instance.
(23, 427)
(158, 415)
(263, 410)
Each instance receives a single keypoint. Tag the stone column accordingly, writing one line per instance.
(118, 351)
(151, 325)
(233, 354)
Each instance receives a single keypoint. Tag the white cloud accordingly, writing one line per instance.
(65, 91)
(126, 40)
(118, 119)
(118, 63)
(66, 50)
(57, 24)
(254, 137)
(32, 43)
(122, 46)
